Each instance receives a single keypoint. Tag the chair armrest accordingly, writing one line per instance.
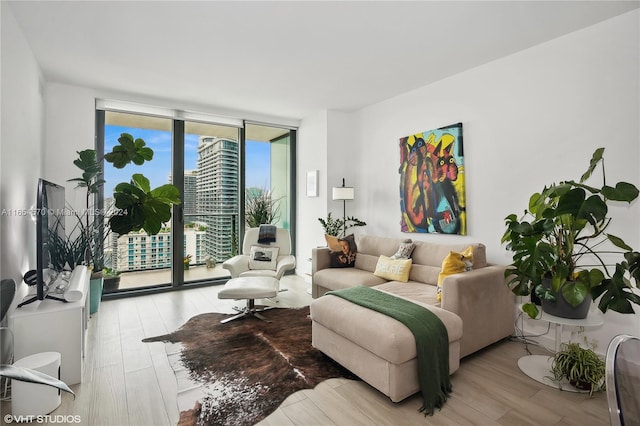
(319, 259)
(236, 265)
(485, 304)
(285, 263)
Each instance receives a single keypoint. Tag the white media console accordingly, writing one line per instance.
(55, 326)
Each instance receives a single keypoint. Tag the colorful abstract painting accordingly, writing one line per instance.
(432, 196)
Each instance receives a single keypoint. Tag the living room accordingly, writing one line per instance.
(531, 116)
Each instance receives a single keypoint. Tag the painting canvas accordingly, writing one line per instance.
(432, 195)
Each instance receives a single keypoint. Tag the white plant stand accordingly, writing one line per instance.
(538, 367)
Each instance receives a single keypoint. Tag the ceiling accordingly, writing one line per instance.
(286, 59)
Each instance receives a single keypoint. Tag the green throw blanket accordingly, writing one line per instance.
(432, 340)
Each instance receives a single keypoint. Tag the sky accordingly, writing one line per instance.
(158, 170)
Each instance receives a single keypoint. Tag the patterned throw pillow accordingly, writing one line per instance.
(393, 269)
(346, 257)
(405, 249)
(263, 257)
(455, 263)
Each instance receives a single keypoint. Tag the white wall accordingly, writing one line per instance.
(21, 132)
(531, 118)
(311, 155)
(70, 127)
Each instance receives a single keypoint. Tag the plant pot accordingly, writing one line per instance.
(111, 284)
(561, 308)
(95, 294)
(579, 384)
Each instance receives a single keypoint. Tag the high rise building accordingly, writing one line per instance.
(217, 193)
(189, 202)
(139, 251)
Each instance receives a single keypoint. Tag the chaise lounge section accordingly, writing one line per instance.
(477, 308)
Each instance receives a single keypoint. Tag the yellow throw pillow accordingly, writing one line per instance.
(455, 263)
(393, 269)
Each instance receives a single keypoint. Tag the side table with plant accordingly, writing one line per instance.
(561, 236)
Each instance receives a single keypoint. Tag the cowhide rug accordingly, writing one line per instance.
(239, 372)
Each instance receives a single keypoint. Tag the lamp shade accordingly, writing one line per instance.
(343, 193)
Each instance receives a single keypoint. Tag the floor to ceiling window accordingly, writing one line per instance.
(219, 169)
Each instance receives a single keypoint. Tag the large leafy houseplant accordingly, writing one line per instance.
(138, 207)
(562, 234)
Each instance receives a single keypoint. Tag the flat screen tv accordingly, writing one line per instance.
(50, 208)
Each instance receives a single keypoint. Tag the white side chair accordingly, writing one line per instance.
(623, 380)
(258, 278)
(239, 266)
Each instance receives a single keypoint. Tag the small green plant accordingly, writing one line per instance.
(583, 368)
(338, 227)
(108, 272)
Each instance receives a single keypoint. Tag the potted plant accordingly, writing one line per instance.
(338, 227)
(187, 261)
(89, 229)
(583, 368)
(111, 279)
(139, 207)
(261, 208)
(561, 235)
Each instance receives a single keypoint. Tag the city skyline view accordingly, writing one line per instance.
(258, 158)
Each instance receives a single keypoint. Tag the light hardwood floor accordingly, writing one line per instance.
(128, 382)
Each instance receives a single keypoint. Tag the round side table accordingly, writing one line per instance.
(538, 367)
(32, 399)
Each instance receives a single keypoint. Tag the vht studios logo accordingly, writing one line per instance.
(55, 419)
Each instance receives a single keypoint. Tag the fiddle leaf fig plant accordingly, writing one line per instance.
(129, 151)
(562, 234)
(142, 207)
(138, 206)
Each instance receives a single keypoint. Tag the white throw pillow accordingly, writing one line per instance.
(263, 257)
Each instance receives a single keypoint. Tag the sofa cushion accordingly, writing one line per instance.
(412, 290)
(339, 278)
(424, 273)
(346, 257)
(393, 269)
(366, 262)
(382, 335)
(369, 244)
(433, 254)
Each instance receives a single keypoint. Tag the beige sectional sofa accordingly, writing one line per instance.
(477, 309)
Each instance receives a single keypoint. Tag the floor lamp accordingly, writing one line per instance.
(343, 193)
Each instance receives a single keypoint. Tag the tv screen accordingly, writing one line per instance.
(50, 205)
